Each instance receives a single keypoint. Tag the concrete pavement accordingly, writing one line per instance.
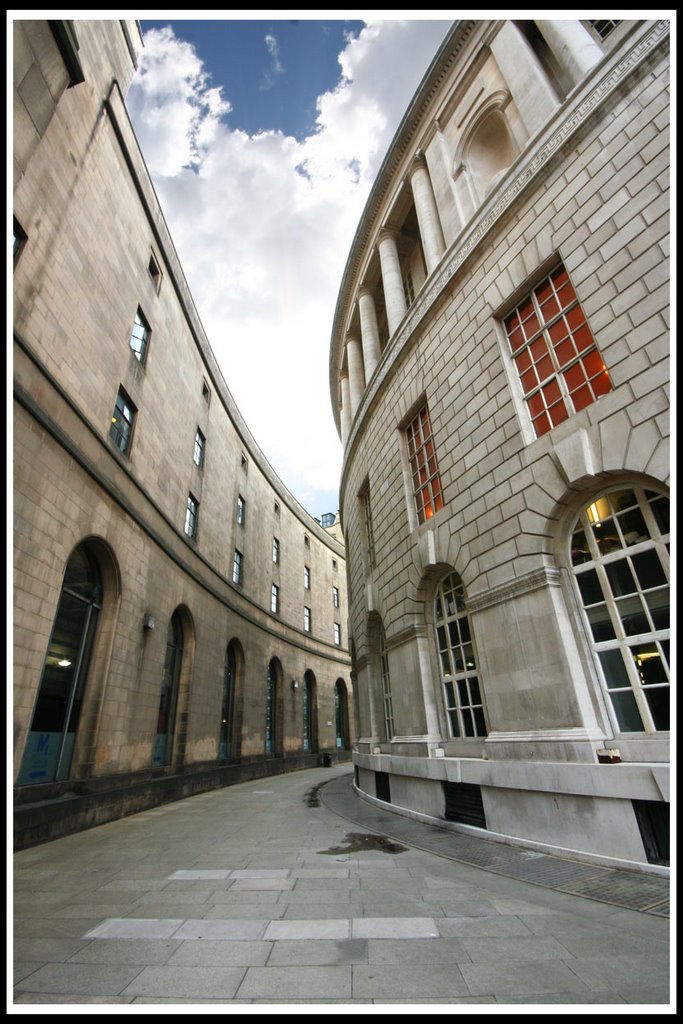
(280, 891)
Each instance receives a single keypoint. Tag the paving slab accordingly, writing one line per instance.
(318, 952)
(187, 982)
(300, 983)
(408, 981)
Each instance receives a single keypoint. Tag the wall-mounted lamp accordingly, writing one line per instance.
(148, 621)
(295, 684)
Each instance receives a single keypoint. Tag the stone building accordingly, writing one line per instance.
(499, 373)
(180, 620)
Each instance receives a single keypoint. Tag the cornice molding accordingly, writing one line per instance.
(547, 576)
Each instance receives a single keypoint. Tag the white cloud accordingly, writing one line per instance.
(276, 67)
(263, 225)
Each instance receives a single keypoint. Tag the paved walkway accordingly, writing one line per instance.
(286, 890)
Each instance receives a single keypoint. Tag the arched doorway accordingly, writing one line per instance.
(341, 715)
(50, 744)
(168, 700)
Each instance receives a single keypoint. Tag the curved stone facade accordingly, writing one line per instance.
(177, 610)
(499, 374)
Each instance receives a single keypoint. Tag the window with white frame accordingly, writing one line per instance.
(276, 551)
(620, 557)
(191, 517)
(241, 510)
(199, 447)
(307, 620)
(457, 660)
(554, 352)
(122, 422)
(237, 567)
(275, 599)
(337, 634)
(307, 578)
(335, 597)
(139, 336)
(423, 468)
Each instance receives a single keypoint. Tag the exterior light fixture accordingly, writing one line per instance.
(64, 663)
(148, 621)
(295, 684)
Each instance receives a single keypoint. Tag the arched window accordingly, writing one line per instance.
(620, 555)
(341, 715)
(457, 660)
(50, 744)
(168, 700)
(224, 742)
(273, 731)
(309, 711)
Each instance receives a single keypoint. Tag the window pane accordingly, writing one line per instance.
(600, 623)
(614, 669)
(620, 578)
(627, 712)
(589, 585)
(649, 664)
(658, 702)
(649, 570)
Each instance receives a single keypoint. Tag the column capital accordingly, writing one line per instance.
(388, 233)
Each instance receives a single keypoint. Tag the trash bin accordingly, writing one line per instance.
(325, 760)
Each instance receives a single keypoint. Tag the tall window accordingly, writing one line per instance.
(276, 550)
(307, 578)
(337, 634)
(423, 468)
(275, 599)
(307, 619)
(309, 712)
(366, 516)
(50, 743)
(341, 715)
(192, 517)
(168, 700)
(241, 510)
(620, 554)
(387, 701)
(122, 420)
(457, 661)
(237, 561)
(199, 447)
(555, 354)
(139, 336)
(272, 739)
(224, 740)
(335, 597)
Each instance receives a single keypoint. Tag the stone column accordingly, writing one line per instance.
(354, 361)
(392, 280)
(573, 46)
(431, 235)
(369, 331)
(345, 408)
(528, 83)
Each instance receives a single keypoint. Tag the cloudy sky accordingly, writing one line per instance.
(263, 139)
